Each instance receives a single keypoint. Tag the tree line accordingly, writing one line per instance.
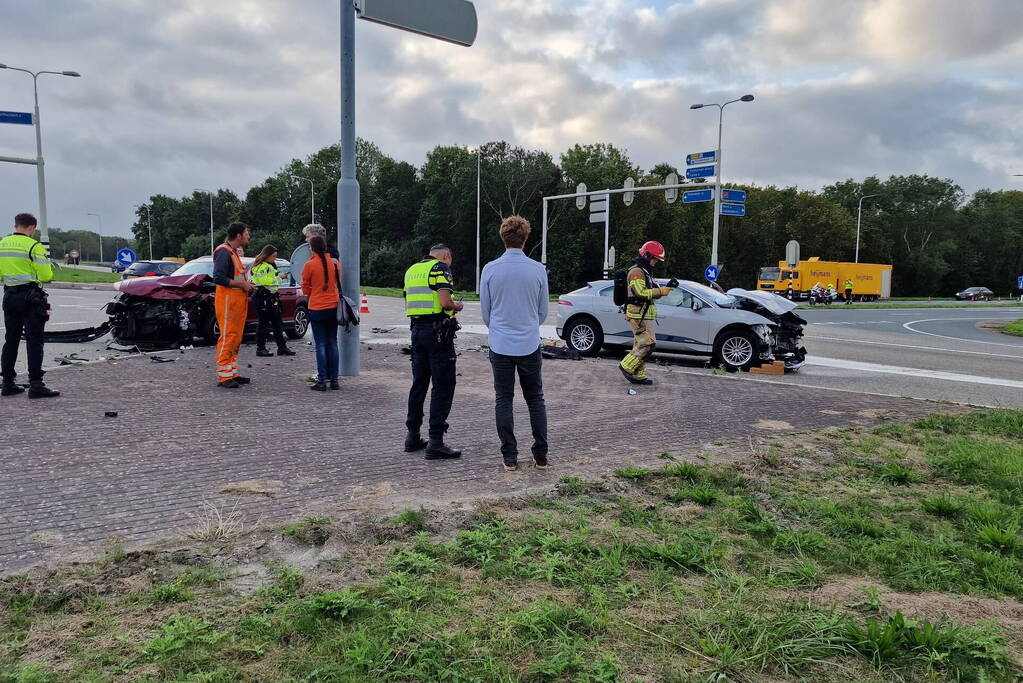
(937, 240)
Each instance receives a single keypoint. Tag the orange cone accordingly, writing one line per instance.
(364, 305)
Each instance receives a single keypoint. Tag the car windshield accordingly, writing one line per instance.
(712, 295)
(141, 267)
(770, 274)
(194, 267)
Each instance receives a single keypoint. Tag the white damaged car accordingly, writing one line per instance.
(737, 329)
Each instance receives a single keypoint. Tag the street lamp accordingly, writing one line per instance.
(479, 150)
(100, 219)
(717, 185)
(149, 222)
(40, 176)
(210, 193)
(312, 197)
(859, 219)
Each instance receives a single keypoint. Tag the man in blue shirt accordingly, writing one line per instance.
(514, 302)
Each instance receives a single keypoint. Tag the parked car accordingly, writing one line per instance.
(116, 267)
(737, 329)
(975, 294)
(150, 269)
(178, 310)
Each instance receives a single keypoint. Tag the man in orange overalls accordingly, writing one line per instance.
(232, 304)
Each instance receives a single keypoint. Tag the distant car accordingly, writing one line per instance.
(150, 269)
(738, 329)
(975, 294)
(178, 309)
(116, 267)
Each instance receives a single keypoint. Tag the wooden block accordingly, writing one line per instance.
(772, 369)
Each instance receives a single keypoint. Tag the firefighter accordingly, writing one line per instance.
(640, 311)
(848, 290)
(23, 268)
(232, 304)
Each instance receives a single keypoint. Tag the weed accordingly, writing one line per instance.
(169, 592)
(413, 562)
(942, 506)
(181, 632)
(310, 531)
(571, 486)
(216, 523)
(700, 493)
(799, 542)
(413, 520)
(632, 472)
(339, 604)
(871, 601)
(683, 470)
(897, 474)
(1004, 540)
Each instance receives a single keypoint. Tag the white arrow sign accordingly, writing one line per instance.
(450, 20)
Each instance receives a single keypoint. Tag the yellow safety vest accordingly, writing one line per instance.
(23, 260)
(420, 297)
(848, 284)
(265, 275)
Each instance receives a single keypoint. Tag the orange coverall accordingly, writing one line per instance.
(232, 306)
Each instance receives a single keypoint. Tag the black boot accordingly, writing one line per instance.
(262, 351)
(11, 389)
(283, 350)
(40, 390)
(438, 450)
(414, 442)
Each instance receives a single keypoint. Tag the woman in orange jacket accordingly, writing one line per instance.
(321, 281)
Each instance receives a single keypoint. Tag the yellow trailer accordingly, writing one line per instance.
(871, 281)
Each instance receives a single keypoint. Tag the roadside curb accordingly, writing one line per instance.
(103, 286)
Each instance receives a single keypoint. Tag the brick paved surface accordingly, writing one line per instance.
(72, 479)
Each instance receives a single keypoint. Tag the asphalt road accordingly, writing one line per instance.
(940, 354)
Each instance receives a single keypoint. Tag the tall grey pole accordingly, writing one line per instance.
(348, 190)
(859, 220)
(99, 219)
(212, 247)
(478, 166)
(717, 193)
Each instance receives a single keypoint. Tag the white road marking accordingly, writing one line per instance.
(911, 372)
(909, 326)
(915, 346)
(72, 322)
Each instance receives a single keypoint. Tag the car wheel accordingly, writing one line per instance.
(210, 330)
(301, 324)
(585, 336)
(736, 350)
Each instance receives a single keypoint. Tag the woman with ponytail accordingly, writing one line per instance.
(321, 282)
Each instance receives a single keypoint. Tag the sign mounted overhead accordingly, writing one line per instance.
(700, 171)
(700, 158)
(733, 209)
(693, 196)
(598, 208)
(738, 196)
(20, 117)
(450, 20)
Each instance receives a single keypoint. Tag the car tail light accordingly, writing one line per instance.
(150, 274)
(562, 302)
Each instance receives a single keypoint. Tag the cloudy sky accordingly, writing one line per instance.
(183, 94)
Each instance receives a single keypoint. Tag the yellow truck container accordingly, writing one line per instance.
(176, 259)
(871, 281)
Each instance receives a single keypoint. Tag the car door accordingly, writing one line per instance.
(611, 319)
(679, 327)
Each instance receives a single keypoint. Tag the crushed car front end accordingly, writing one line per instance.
(786, 335)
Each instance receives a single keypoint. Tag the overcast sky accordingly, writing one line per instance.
(183, 94)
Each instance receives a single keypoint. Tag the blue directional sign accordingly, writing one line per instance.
(733, 209)
(21, 117)
(700, 158)
(700, 171)
(1019, 283)
(711, 273)
(693, 196)
(126, 257)
(738, 196)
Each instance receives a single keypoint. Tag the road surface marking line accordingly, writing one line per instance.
(909, 326)
(914, 346)
(912, 372)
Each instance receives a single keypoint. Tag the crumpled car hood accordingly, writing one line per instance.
(772, 302)
(170, 287)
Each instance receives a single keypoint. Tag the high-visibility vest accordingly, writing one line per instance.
(23, 261)
(420, 296)
(848, 284)
(265, 275)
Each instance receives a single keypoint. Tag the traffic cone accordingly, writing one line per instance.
(364, 305)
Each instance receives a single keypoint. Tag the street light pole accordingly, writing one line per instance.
(312, 197)
(717, 184)
(40, 175)
(859, 219)
(99, 218)
(479, 149)
(210, 193)
(149, 222)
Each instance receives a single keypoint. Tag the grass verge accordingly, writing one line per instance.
(1015, 329)
(892, 555)
(61, 274)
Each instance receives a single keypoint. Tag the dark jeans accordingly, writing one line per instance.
(21, 316)
(531, 378)
(433, 362)
(270, 318)
(324, 324)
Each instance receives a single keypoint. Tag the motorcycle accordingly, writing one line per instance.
(820, 295)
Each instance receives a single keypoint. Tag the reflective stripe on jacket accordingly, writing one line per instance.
(421, 284)
(642, 286)
(23, 260)
(265, 275)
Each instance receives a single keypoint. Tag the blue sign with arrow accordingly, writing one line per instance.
(693, 196)
(1019, 283)
(126, 257)
(700, 172)
(733, 209)
(23, 118)
(698, 158)
(711, 273)
(738, 196)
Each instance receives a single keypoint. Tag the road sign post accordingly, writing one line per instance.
(701, 158)
(736, 196)
(694, 196)
(22, 118)
(126, 257)
(700, 172)
(711, 272)
(733, 209)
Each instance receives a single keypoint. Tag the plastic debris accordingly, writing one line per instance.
(110, 413)
(631, 392)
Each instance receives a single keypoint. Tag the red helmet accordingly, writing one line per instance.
(654, 249)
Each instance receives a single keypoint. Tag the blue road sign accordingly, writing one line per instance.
(733, 209)
(126, 257)
(21, 117)
(1019, 282)
(693, 196)
(700, 171)
(699, 158)
(711, 273)
(738, 196)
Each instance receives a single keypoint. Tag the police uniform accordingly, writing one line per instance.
(268, 303)
(23, 267)
(848, 291)
(433, 351)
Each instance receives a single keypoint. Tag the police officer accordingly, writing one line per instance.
(264, 276)
(848, 290)
(23, 267)
(640, 312)
(430, 309)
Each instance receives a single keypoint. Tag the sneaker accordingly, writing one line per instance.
(11, 389)
(414, 442)
(318, 386)
(334, 385)
(242, 380)
(438, 450)
(228, 384)
(510, 466)
(263, 352)
(284, 351)
(40, 390)
(540, 462)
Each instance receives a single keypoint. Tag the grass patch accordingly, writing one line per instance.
(62, 274)
(1014, 328)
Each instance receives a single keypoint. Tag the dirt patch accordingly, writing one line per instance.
(773, 426)
(47, 537)
(832, 412)
(878, 414)
(258, 487)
